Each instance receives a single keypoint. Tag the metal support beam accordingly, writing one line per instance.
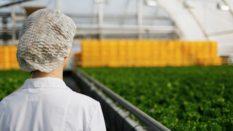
(188, 27)
(92, 16)
(4, 29)
(118, 30)
(58, 4)
(117, 17)
(100, 19)
(228, 3)
(139, 18)
(20, 17)
(14, 3)
(156, 13)
(199, 23)
(126, 10)
(13, 16)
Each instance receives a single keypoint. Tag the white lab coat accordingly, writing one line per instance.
(47, 104)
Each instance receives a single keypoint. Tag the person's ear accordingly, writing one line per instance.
(68, 55)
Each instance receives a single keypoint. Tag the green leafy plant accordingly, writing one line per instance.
(11, 80)
(181, 98)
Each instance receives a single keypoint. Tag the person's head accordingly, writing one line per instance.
(45, 41)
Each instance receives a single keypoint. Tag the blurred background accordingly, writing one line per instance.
(152, 20)
(181, 48)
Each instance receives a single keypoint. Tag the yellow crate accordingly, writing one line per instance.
(162, 62)
(86, 58)
(113, 45)
(104, 46)
(170, 48)
(123, 45)
(5, 49)
(95, 46)
(214, 49)
(193, 49)
(148, 63)
(178, 62)
(85, 45)
(131, 46)
(12, 57)
(147, 46)
(122, 52)
(95, 54)
(138, 63)
(155, 49)
(139, 46)
(104, 61)
(149, 53)
(86, 54)
(104, 53)
(12, 49)
(113, 64)
(155, 62)
(123, 62)
(113, 53)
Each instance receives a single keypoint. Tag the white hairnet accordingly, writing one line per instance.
(45, 40)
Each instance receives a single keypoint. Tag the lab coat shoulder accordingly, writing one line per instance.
(3, 103)
(2, 106)
(84, 111)
(2, 110)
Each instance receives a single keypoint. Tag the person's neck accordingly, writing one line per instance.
(57, 73)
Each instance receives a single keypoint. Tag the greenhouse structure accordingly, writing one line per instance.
(153, 65)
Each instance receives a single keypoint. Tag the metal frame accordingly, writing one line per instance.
(58, 4)
(14, 3)
(139, 18)
(230, 5)
(152, 124)
(100, 19)
(103, 31)
(13, 16)
(199, 23)
(126, 10)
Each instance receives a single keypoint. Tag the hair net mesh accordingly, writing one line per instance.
(45, 40)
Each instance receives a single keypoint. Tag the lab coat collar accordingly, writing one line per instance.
(44, 82)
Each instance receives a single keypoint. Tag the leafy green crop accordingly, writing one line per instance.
(181, 98)
(11, 80)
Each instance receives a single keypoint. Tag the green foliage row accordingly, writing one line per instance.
(11, 80)
(181, 98)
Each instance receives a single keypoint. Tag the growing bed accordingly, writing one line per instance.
(181, 98)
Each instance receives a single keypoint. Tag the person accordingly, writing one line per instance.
(45, 103)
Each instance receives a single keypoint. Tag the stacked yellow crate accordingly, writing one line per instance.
(178, 54)
(113, 54)
(95, 54)
(147, 54)
(4, 57)
(163, 53)
(8, 57)
(86, 54)
(138, 51)
(131, 57)
(155, 53)
(216, 60)
(104, 53)
(170, 51)
(144, 53)
(122, 53)
(12, 55)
